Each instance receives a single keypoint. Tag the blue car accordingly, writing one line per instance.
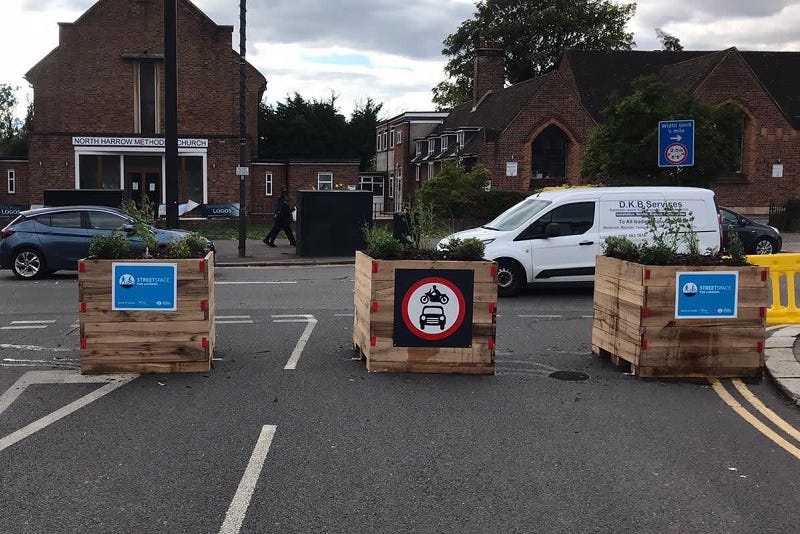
(45, 240)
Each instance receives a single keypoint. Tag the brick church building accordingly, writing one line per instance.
(533, 134)
(99, 114)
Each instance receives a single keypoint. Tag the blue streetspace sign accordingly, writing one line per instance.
(676, 143)
(144, 286)
(706, 294)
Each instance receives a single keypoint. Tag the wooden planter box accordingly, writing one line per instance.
(137, 341)
(634, 320)
(374, 319)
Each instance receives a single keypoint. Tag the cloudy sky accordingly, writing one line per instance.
(385, 49)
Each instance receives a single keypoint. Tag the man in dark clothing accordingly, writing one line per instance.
(283, 220)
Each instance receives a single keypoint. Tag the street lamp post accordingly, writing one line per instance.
(242, 128)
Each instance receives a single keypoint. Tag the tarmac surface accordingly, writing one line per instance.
(782, 347)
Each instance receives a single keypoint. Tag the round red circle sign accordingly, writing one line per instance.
(433, 308)
(676, 153)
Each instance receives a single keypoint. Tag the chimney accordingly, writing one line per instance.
(489, 70)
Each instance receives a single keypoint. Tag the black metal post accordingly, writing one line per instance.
(242, 128)
(171, 109)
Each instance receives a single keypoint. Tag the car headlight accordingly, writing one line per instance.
(488, 240)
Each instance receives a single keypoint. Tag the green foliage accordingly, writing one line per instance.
(620, 247)
(622, 149)
(735, 248)
(109, 247)
(454, 192)
(381, 244)
(668, 42)
(421, 223)
(143, 217)
(470, 249)
(534, 34)
(178, 249)
(13, 132)
(191, 245)
(300, 128)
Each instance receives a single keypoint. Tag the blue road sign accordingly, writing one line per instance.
(144, 286)
(706, 294)
(676, 143)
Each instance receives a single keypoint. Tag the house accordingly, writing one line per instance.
(99, 114)
(533, 134)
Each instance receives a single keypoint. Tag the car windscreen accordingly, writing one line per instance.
(517, 215)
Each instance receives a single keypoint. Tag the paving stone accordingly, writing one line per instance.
(784, 369)
(783, 354)
(779, 342)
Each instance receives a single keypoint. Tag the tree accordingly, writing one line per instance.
(668, 42)
(299, 128)
(454, 191)
(534, 34)
(361, 131)
(13, 132)
(623, 148)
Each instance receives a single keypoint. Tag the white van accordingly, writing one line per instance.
(554, 236)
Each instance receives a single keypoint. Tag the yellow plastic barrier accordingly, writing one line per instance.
(781, 266)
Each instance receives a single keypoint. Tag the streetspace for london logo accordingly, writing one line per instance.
(127, 280)
(690, 289)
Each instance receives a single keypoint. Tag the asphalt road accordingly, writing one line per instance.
(354, 451)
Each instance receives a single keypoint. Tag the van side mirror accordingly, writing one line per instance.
(552, 230)
(128, 228)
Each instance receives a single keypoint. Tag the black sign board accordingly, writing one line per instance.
(10, 210)
(219, 210)
(433, 307)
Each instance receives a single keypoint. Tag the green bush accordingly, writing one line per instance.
(470, 249)
(109, 247)
(381, 244)
(178, 249)
(620, 247)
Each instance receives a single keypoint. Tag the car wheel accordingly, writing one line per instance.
(764, 245)
(422, 325)
(509, 278)
(28, 264)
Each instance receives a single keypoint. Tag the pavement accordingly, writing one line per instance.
(781, 352)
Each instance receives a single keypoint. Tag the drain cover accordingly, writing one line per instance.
(570, 376)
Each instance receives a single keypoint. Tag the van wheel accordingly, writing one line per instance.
(765, 245)
(509, 278)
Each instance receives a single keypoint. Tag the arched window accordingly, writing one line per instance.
(730, 118)
(549, 154)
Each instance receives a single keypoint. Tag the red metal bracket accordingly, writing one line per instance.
(373, 341)
(81, 267)
(202, 266)
(645, 311)
(491, 343)
(762, 311)
(203, 305)
(83, 307)
(374, 266)
(493, 270)
(764, 275)
(204, 342)
(647, 274)
(492, 307)
(83, 342)
(644, 343)
(374, 306)
(760, 346)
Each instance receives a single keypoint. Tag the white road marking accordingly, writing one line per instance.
(301, 343)
(32, 322)
(30, 327)
(342, 314)
(111, 382)
(234, 517)
(231, 316)
(544, 316)
(526, 362)
(254, 282)
(34, 347)
(233, 319)
(234, 322)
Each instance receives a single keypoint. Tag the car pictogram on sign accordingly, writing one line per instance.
(433, 308)
(432, 315)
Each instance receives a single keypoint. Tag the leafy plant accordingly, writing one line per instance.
(620, 247)
(381, 244)
(470, 249)
(143, 217)
(109, 247)
(735, 248)
(179, 249)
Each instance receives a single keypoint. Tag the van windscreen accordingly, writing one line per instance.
(517, 215)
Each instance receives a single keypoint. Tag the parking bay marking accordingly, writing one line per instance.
(301, 343)
(241, 500)
(27, 325)
(111, 382)
(233, 319)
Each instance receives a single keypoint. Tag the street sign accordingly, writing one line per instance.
(676, 143)
(706, 294)
(144, 286)
(242, 171)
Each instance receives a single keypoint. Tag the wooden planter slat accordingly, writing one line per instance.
(118, 341)
(373, 321)
(634, 320)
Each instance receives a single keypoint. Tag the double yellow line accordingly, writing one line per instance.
(755, 422)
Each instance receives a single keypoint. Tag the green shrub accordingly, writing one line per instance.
(735, 248)
(196, 244)
(109, 247)
(470, 249)
(381, 244)
(143, 218)
(620, 247)
(178, 249)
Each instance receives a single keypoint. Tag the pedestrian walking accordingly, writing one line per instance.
(283, 219)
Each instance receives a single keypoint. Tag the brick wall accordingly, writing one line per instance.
(21, 182)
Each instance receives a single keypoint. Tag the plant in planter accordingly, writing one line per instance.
(421, 309)
(146, 309)
(671, 310)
